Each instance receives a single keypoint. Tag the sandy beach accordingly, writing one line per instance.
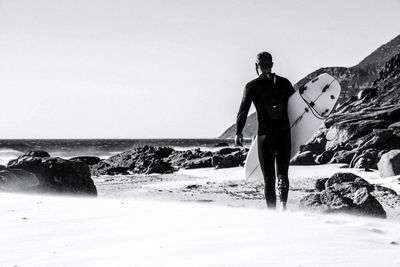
(202, 217)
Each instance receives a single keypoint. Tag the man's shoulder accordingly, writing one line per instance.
(282, 79)
(252, 82)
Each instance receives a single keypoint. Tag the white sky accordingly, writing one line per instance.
(160, 68)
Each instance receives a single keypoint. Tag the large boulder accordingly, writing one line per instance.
(347, 193)
(303, 158)
(340, 133)
(159, 166)
(366, 159)
(228, 158)
(389, 163)
(325, 157)
(145, 159)
(205, 162)
(17, 180)
(56, 174)
(343, 156)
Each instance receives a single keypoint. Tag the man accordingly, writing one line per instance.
(270, 94)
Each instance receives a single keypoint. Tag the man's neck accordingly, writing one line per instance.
(267, 73)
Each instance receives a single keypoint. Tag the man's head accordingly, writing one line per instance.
(264, 62)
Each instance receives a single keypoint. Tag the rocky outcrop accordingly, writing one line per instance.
(303, 158)
(55, 174)
(362, 130)
(149, 159)
(360, 78)
(346, 193)
(145, 159)
(389, 163)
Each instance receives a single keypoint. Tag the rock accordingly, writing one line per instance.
(345, 192)
(17, 180)
(225, 158)
(56, 174)
(366, 159)
(367, 93)
(38, 154)
(343, 156)
(303, 158)
(224, 161)
(116, 171)
(320, 184)
(222, 144)
(341, 133)
(384, 190)
(395, 126)
(87, 159)
(325, 157)
(159, 166)
(389, 164)
(317, 143)
(180, 158)
(136, 160)
(205, 162)
(227, 150)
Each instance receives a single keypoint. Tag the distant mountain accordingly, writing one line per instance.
(352, 79)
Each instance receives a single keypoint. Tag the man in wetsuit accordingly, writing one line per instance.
(269, 93)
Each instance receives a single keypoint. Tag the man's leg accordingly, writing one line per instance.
(282, 167)
(266, 155)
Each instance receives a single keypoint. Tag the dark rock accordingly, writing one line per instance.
(229, 158)
(116, 171)
(222, 144)
(365, 159)
(227, 150)
(57, 174)
(159, 166)
(224, 161)
(340, 133)
(2, 167)
(385, 190)
(345, 192)
(320, 184)
(180, 158)
(325, 157)
(193, 186)
(87, 159)
(317, 143)
(343, 156)
(198, 163)
(303, 158)
(38, 154)
(389, 164)
(17, 180)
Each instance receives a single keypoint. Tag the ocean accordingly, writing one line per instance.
(103, 148)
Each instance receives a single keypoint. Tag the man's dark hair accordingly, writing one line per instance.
(264, 60)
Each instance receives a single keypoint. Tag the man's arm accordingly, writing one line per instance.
(243, 111)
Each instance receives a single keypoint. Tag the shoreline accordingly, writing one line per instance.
(226, 187)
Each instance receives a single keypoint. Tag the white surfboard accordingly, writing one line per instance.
(307, 109)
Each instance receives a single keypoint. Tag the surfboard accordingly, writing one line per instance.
(308, 107)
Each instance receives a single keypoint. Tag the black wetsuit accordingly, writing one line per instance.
(270, 94)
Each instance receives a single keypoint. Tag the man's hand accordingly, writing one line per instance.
(239, 140)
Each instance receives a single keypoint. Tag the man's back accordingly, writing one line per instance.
(270, 94)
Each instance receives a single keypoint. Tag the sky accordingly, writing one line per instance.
(162, 68)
